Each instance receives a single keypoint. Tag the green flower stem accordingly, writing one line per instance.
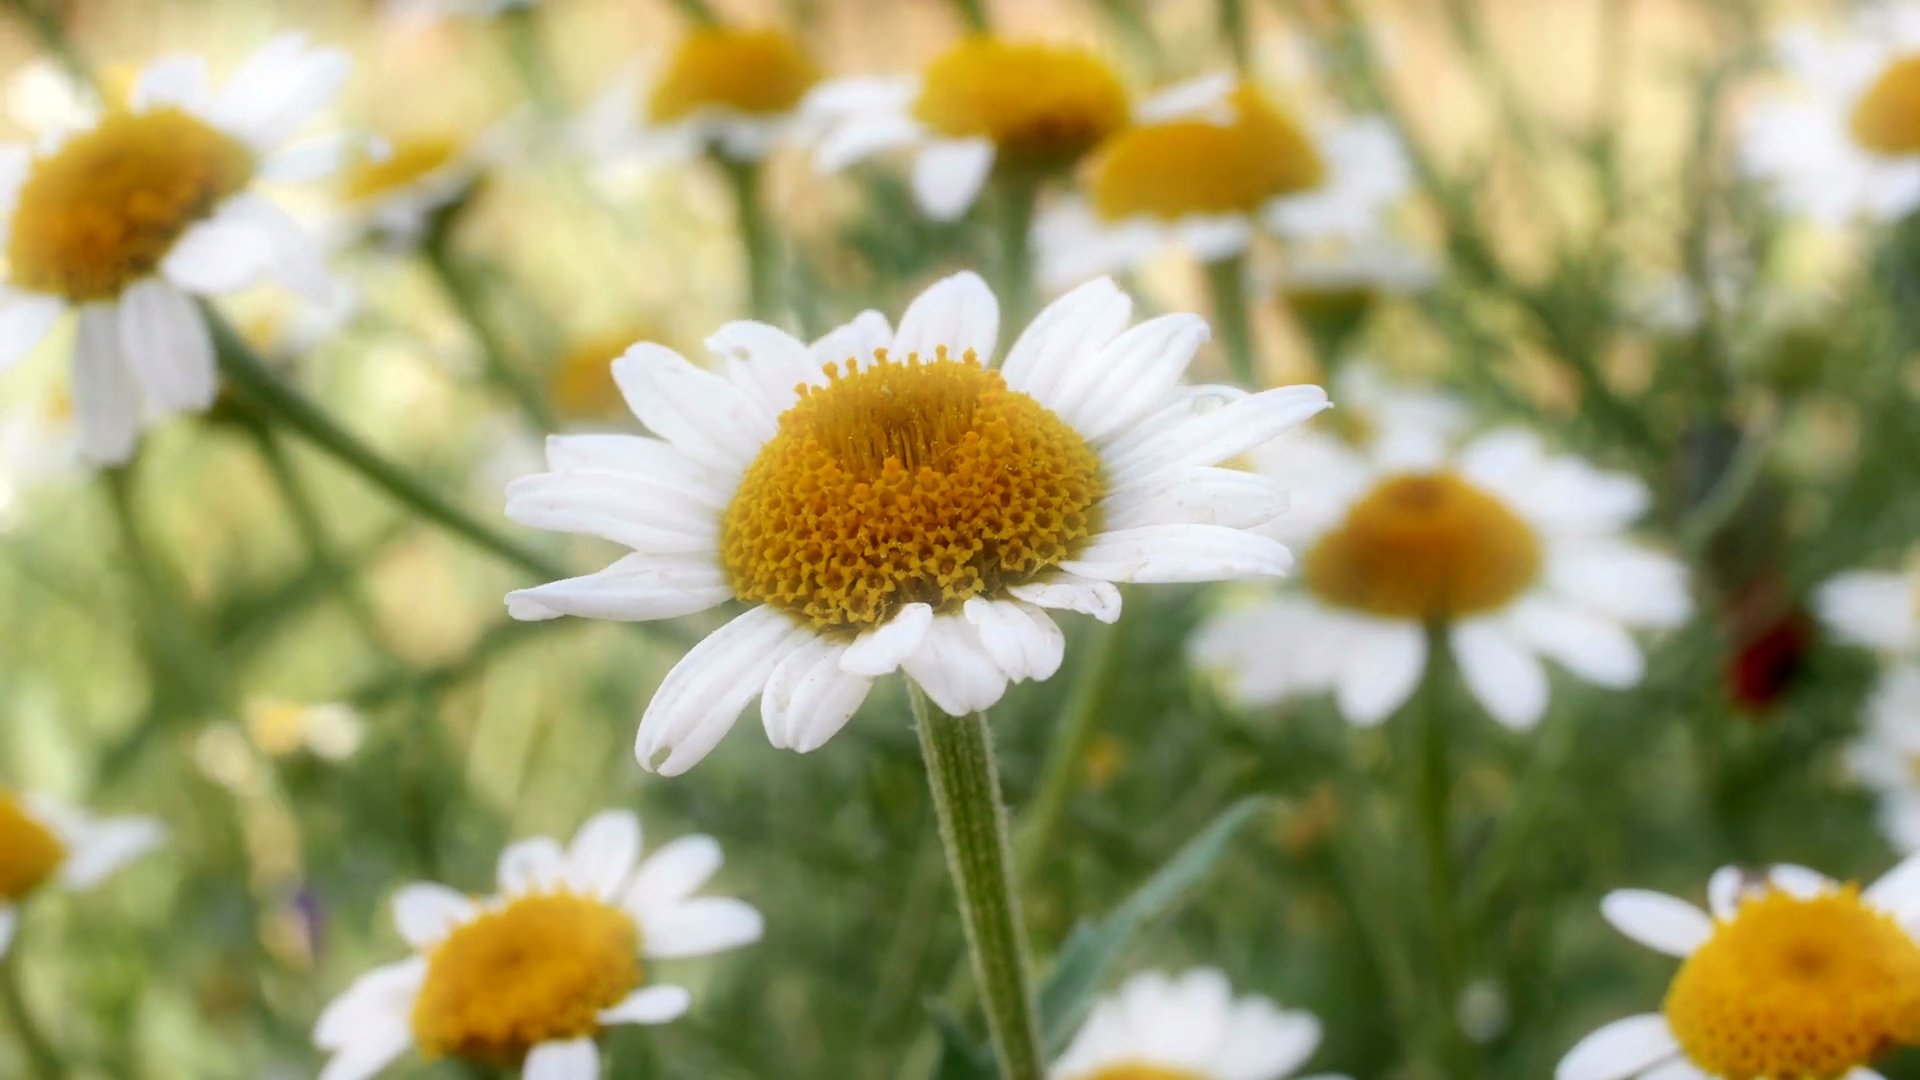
(756, 237)
(974, 13)
(175, 643)
(41, 1056)
(1430, 805)
(527, 47)
(973, 827)
(697, 12)
(1233, 27)
(465, 295)
(250, 375)
(1018, 192)
(1227, 286)
(1079, 720)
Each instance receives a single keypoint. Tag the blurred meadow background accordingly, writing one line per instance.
(311, 680)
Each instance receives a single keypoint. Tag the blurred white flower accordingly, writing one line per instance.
(530, 976)
(885, 500)
(1880, 610)
(1516, 553)
(36, 451)
(1207, 171)
(1373, 263)
(125, 220)
(1790, 975)
(1843, 143)
(45, 841)
(1188, 1027)
(1874, 609)
(327, 730)
(391, 188)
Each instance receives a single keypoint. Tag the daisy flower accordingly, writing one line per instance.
(985, 103)
(122, 222)
(1846, 145)
(529, 977)
(44, 841)
(1351, 275)
(395, 185)
(1514, 553)
(1210, 172)
(735, 91)
(1188, 1027)
(889, 500)
(1875, 609)
(1792, 975)
(1880, 610)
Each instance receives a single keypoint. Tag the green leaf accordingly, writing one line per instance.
(962, 1057)
(1083, 961)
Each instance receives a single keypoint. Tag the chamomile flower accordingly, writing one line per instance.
(986, 103)
(1348, 274)
(1207, 176)
(1875, 609)
(1880, 610)
(392, 188)
(45, 842)
(1791, 975)
(1515, 553)
(890, 500)
(1188, 1027)
(1846, 146)
(735, 91)
(124, 221)
(529, 977)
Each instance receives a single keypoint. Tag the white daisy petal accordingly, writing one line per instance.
(705, 692)
(1596, 649)
(649, 1005)
(602, 853)
(1614, 578)
(1132, 374)
(1179, 553)
(1062, 591)
(858, 139)
(948, 175)
(698, 927)
(881, 650)
(276, 91)
(1211, 436)
(1799, 881)
(1064, 337)
(175, 80)
(376, 1048)
(25, 320)
(9, 925)
(810, 697)
(1507, 679)
(954, 668)
(1725, 889)
(1870, 608)
(854, 343)
(310, 159)
(635, 511)
(1021, 638)
(1264, 1043)
(672, 874)
(1898, 890)
(1660, 922)
(219, 255)
(294, 261)
(703, 415)
(1208, 97)
(424, 913)
(957, 312)
(637, 588)
(1195, 496)
(1383, 667)
(1677, 1069)
(106, 401)
(655, 461)
(767, 363)
(167, 347)
(383, 993)
(532, 866)
(575, 1059)
(1620, 1049)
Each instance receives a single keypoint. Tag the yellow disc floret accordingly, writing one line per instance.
(537, 970)
(1886, 119)
(1427, 546)
(104, 209)
(1042, 105)
(915, 481)
(1198, 166)
(1797, 989)
(1143, 1071)
(29, 852)
(407, 162)
(759, 72)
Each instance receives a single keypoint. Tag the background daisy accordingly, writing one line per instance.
(1188, 1027)
(46, 841)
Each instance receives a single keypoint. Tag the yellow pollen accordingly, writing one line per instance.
(906, 482)
(1194, 166)
(1140, 1070)
(1792, 989)
(104, 209)
(1886, 119)
(29, 852)
(1042, 105)
(1427, 546)
(407, 162)
(762, 72)
(537, 970)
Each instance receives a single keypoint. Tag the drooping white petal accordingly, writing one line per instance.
(383, 992)
(672, 874)
(173, 80)
(703, 925)
(703, 415)
(574, 1059)
(1871, 608)
(958, 312)
(425, 912)
(860, 138)
(881, 650)
(1066, 335)
(955, 669)
(1663, 923)
(1062, 591)
(278, 89)
(167, 347)
(1021, 638)
(106, 401)
(1507, 679)
(1130, 375)
(636, 588)
(25, 319)
(219, 255)
(948, 175)
(649, 1005)
(705, 692)
(537, 865)
(810, 697)
(1179, 553)
(1620, 1049)
(1385, 659)
(1634, 585)
(296, 261)
(630, 509)
(1596, 649)
(603, 852)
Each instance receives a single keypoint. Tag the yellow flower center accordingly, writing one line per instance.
(1886, 119)
(537, 970)
(763, 72)
(102, 211)
(581, 385)
(1797, 989)
(1134, 1070)
(906, 482)
(29, 852)
(1195, 166)
(1042, 105)
(407, 162)
(1427, 546)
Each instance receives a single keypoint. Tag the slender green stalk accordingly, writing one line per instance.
(464, 293)
(41, 1056)
(1086, 703)
(757, 237)
(175, 642)
(1227, 287)
(697, 12)
(1018, 192)
(1430, 805)
(287, 405)
(1233, 28)
(973, 827)
(1372, 894)
(974, 12)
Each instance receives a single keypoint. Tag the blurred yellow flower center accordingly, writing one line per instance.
(29, 852)
(407, 162)
(1886, 119)
(581, 383)
(104, 209)
(923, 481)
(1425, 546)
(1808, 989)
(1185, 167)
(1128, 1070)
(762, 72)
(539, 969)
(1042, 105)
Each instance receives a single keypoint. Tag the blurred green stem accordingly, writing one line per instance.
(1066, 754)
(1018, 191)
(973, 827)
(464, 292)
(41, 1056)
(527, 46)
(974, 13)
(1227, 287)
(756, 235)
(175, 644)
(251, 375)
(697, 12)
(1233, 28)
(1430, 805)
